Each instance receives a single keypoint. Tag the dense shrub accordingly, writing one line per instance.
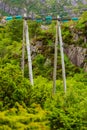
(13, 87)
(14, 30)
(34, 107)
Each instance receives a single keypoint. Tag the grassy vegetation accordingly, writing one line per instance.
(26, 107)
(3, 13)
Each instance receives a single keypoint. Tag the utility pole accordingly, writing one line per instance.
(55, 60)
(62, 57)
(23, 49)
(28, 53)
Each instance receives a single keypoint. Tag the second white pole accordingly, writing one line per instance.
(55, 60)
(26, 38)
(29, 55)
(62, 57)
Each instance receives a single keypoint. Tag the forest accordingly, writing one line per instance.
(27, 107)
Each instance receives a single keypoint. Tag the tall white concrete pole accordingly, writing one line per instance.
(55, 61)
(23, 49)
(62, 57)
(29, 54)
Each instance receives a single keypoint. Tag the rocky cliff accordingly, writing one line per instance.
(77, 55)
(13, 9)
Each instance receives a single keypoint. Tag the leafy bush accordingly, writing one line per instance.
(13, 86)
(14, 30)
(18, 118)
(41, 91)
(34, 107)
(69, 111)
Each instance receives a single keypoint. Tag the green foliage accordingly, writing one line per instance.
(69, 111)
(46, 31)
(26, 107)
(14, 30)
(13, 87)
(67, 35)
(3, 13)
(18, 118)
(59, 112)
(73, 29)
(34, 29)
(42, 66)
(82, 20)
(41, 91)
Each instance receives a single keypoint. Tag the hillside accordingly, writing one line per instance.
(27, 107)
(61, 7)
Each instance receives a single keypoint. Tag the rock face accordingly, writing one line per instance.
(10, 9)
(77, 55)
(75, 2)
(14, 10)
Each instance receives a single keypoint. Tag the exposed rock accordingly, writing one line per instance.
(77, 55)
(10, 9)
(13, 9)
(36, 48)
